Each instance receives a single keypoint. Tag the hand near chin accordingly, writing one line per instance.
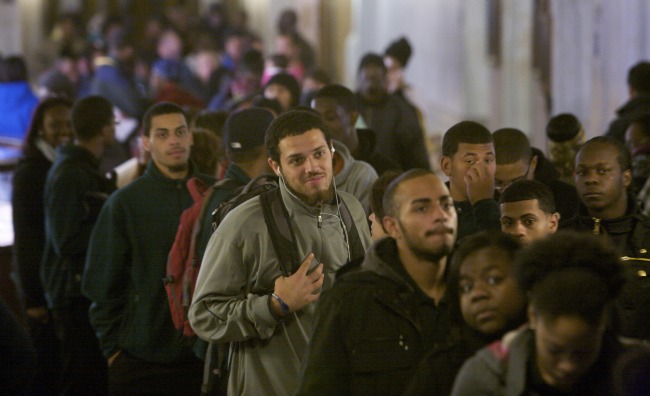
(480, 182)
(301, 288)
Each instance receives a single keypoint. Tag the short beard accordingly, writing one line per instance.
(315, 200)
(427, 255)
(433, 257)
(178, 168)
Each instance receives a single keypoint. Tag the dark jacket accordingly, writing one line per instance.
(373, 327)
(625, 113)
(366, 152)
(28, 216)
(126, 264)
(398, 131)
(630, 235)
(18, 355)
(483, 215)
(74, 193)
(565, 195)
(111, 82)
(437, 370)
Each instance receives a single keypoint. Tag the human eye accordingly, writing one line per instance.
(447, 205)
(296, 161)
(420, 208)
(488, 160)
(319, 154)
(603, 171)
(581, 172)
(494, 279)
(181, 132)
(161, 134)
(506, 222)
(529, 221)
(465, 287)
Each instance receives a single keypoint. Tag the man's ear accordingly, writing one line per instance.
(532, 317)
(555, 221)
(146, 144)
(390, 226)
(532, 166)
(445, 165)
(275, 166)
(627, 178)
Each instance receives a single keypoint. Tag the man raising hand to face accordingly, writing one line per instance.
(468, 160)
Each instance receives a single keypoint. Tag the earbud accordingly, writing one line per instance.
(332, 149)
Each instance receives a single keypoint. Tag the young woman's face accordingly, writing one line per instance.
(490, 300)
(566, 348)
(56, 128)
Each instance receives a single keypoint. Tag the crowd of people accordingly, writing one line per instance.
(357, 270)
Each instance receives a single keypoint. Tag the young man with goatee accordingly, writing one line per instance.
(245, 294)
(126, 263)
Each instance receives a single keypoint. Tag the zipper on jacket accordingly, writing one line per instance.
(596, 225)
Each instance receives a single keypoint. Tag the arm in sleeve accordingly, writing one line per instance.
(68, 224)
(29, 236)
(106, 278)
(476, 377)
(326, 368)
(223, 308)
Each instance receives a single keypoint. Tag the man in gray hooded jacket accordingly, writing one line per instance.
(242, 296)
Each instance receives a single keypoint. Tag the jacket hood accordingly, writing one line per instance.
(343, 151)
(381, 259)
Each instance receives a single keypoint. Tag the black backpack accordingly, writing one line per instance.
(277, 220)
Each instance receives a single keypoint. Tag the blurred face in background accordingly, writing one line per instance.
(57, 128)
(566, 348)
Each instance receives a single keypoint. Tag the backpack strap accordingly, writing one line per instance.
(277, 221)
(283, 239)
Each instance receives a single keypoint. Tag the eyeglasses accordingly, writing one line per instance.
(501, 185)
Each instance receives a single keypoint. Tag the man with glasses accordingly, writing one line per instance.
(516, 160)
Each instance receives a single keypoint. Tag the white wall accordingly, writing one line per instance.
(595, 44)
(10, 32)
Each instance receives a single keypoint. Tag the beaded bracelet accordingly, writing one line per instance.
(283, 305)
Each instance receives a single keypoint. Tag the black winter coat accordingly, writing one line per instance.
(371, 330)
(630, 234)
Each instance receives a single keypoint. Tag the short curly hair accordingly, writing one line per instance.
(570, 273)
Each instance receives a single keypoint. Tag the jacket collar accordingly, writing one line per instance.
(79, 153)
(617, 225)
(153, 171)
